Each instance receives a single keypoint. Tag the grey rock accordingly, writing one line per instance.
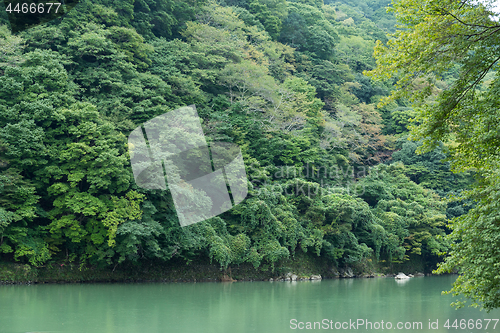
(346, 273)
(335, 272)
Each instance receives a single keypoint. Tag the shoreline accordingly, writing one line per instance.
(300, 268)
(222, 280)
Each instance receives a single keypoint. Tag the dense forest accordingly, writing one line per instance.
(353, 156)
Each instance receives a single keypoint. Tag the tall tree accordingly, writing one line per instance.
(435, 36)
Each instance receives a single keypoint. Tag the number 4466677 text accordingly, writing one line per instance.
(33, 8)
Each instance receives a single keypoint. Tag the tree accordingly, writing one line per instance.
(73, 158)
(307, 28)
(433, 37)
(412, 216)
(270, 14)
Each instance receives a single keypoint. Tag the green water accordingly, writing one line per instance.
(233, 307)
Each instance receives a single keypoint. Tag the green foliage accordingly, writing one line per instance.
(432, 169)
(413, 217)
(474, 250)
(269, 13)
(437, 38)
(280, 79)
(307, 28)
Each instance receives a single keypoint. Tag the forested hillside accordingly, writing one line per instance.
(331, 171)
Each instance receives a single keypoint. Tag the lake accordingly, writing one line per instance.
(335, 305)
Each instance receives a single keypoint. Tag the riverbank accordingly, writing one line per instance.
(301, 267)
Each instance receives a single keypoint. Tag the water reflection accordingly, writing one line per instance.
(229, 307)
(401, 282)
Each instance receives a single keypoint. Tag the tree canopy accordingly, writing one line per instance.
(460, 40)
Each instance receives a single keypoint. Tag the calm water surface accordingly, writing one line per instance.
(231, 307)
